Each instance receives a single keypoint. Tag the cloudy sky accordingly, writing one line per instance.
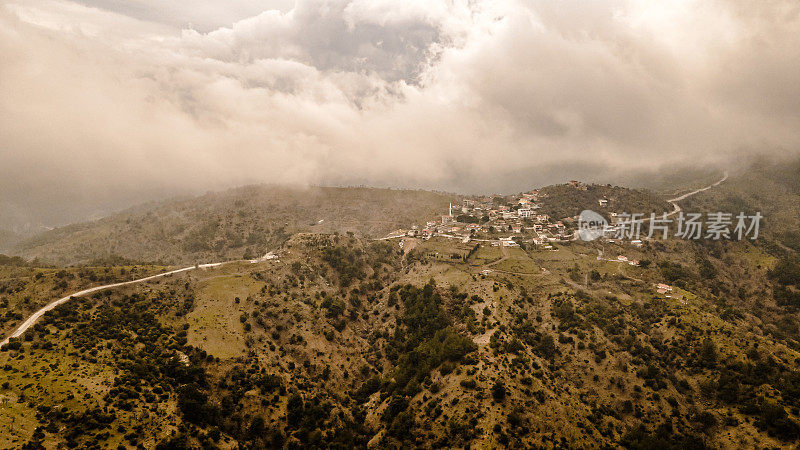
(104, 102)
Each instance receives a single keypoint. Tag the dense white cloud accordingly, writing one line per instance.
(108, 97)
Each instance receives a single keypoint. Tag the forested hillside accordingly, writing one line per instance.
(344, 342)
(239, 223)
(564, 200)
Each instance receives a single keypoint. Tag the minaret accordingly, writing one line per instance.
(451, 209)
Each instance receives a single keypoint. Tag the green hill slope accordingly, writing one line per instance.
(769, 187)
(243, 222)
(564, 200)
(345, 342)
(348, 343)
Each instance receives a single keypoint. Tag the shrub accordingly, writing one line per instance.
(499, 391)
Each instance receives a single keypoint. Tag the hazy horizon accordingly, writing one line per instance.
(75, 206)
(105, 104)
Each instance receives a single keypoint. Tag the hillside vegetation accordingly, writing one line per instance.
(348, 342)
(345, 343)
(771, 188)
(24, 287)
(564, 200)
(239, 223)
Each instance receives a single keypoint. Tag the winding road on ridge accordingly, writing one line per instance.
(50, 306)
(675, 200)
(676, 208)
(38, 314)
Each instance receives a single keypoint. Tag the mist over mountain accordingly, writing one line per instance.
(28, 212)
(376, 224)
(104, 104)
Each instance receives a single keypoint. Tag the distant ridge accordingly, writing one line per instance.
(236, 223)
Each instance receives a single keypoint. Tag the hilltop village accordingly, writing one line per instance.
(520, 220)
(503, 221)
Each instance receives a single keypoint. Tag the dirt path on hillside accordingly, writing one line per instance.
(675, 200)
(409, 245)
(676, 208)
(38, 314)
